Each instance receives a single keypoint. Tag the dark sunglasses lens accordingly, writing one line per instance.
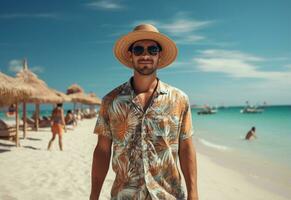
(153, 50)
(138, 50)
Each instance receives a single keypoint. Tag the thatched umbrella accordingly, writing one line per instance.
(65, 98)
(82, 98)
(42, 93)
(76, 93)
(78, 96)
(96, 100)
(12, 92)
(75, 88)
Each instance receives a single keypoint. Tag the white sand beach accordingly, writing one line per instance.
(32, 173)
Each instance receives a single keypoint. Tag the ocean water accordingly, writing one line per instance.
(225, 132)
(265, 161)
(45, 110)
(29, 113)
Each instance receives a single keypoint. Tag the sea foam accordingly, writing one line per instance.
(213, 145)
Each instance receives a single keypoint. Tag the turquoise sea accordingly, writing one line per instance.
(265, 161)
(225, 131)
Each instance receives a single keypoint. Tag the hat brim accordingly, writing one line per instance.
(168, 54)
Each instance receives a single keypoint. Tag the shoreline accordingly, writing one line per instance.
(259, 171)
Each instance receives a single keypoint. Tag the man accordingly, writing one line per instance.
(149, 125)
(251, 134)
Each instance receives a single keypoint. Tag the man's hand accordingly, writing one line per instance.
(187, 156)
(100, 166)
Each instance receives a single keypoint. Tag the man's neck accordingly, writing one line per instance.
(143, 84)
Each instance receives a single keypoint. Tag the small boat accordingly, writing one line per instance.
(207, 111)
(250, 109)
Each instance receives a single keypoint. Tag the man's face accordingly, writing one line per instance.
(145, 64)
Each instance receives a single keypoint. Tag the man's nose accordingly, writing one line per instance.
(146, 56)
(145, 52)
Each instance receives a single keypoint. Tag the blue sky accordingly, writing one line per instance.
(229, 51)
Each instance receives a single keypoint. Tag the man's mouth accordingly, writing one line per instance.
(145, 62)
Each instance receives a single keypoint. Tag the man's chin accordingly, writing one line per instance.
(146, 71)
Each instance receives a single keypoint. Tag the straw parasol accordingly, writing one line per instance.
(12, 92)
(96, 100)
(76, 93)
(75, 88)
(65, 98)
(78, 96)
(82, 98)
(42, 93)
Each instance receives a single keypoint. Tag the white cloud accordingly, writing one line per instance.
(184, 26)
(181, 27)
(37, 69)
(237, 64)
(17, 65)
(105, 4)
(190, 39)
(229, 54)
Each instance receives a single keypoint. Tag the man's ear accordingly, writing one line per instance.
(129, 54)
(160, 56)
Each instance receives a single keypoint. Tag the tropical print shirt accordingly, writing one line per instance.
(145, 143)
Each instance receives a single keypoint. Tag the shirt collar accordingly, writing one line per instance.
(128, 89)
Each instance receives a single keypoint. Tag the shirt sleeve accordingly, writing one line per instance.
(186, 130)
(102, 126)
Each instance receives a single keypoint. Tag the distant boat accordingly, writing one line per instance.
(250, 109)
(207, 111)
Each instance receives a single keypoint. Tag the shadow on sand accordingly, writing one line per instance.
(33, 139)
(4, 150)
(6, 145)
(31, 147)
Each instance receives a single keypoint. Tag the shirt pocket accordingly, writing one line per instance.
(165, 126)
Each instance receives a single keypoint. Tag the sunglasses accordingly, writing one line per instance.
(152, 50)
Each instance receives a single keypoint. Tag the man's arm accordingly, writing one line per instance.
(187, 157)
(100, 166)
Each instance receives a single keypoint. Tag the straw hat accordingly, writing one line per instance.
(145, 32)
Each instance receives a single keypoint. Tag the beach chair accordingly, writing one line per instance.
(7, 131)
(30, 124)
(44, 123)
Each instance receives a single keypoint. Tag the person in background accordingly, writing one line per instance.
(70, 119)
(11, 111)
(251, 134)
(57, 125)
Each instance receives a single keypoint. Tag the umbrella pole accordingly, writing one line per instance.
(24, 119)
(17, 126)
(36, 116)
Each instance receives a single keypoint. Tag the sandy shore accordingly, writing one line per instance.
(32, 173)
